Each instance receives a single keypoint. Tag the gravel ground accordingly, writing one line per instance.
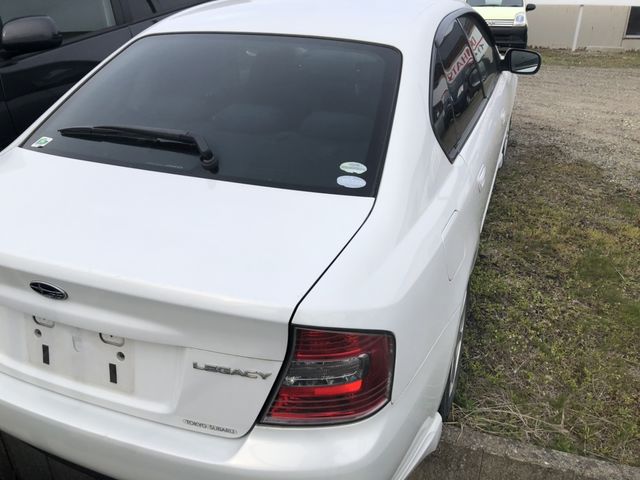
(590, 114)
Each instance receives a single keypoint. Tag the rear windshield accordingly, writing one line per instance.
(290, 112)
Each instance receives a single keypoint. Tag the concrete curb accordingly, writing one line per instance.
(464, 454)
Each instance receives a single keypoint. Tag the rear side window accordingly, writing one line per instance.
(442, 113)
(463, 76)
(73, 17)
(290, 112)
(483, 52)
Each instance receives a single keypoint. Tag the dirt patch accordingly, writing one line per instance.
(551, 351)
(590, 114)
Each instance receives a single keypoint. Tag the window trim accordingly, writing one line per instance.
(129, 17)
(435, 57)
(130, 20)
(84, 36)
(118, 12)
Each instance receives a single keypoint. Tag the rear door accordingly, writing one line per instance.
(470, 106)
(92, 29)
(483, 147)
(480, 104)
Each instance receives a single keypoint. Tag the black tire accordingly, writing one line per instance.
(454, 370)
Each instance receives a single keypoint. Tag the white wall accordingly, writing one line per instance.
(599, 26)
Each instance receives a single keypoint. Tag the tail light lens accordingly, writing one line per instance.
(333, 377)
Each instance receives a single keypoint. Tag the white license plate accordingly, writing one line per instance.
(82, 355)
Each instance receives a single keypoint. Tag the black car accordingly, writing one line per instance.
(46, 46)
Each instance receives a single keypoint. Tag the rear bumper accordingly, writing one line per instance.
(510, 37)
(387, 445)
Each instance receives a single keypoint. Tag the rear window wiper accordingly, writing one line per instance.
(154, 137)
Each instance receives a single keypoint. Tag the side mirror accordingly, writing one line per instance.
(524, 62)
(530, 7)
(30, 34)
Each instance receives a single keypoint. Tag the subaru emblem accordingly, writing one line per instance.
(48, 290)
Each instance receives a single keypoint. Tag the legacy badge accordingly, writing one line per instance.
(230, 371)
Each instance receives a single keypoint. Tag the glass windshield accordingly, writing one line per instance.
(289, 112)
(495, 3)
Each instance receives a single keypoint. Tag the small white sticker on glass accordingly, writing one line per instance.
(42, 142)
(353, 167)
(350, 181)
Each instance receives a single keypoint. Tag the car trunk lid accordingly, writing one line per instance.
(180, 289)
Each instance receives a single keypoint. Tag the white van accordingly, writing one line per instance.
(507, 19)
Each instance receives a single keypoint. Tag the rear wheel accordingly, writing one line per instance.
(454, 370)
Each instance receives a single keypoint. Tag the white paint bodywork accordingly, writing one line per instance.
(164, 274)
(194, 270)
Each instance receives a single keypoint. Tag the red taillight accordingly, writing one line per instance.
(333, 377)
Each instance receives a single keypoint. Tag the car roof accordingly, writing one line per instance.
(392, 22)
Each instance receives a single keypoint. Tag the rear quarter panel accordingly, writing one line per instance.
(393, 276)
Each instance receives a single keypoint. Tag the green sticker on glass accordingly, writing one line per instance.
(353, 167)
(42, 142)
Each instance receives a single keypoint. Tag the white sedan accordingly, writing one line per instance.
(240, 247)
